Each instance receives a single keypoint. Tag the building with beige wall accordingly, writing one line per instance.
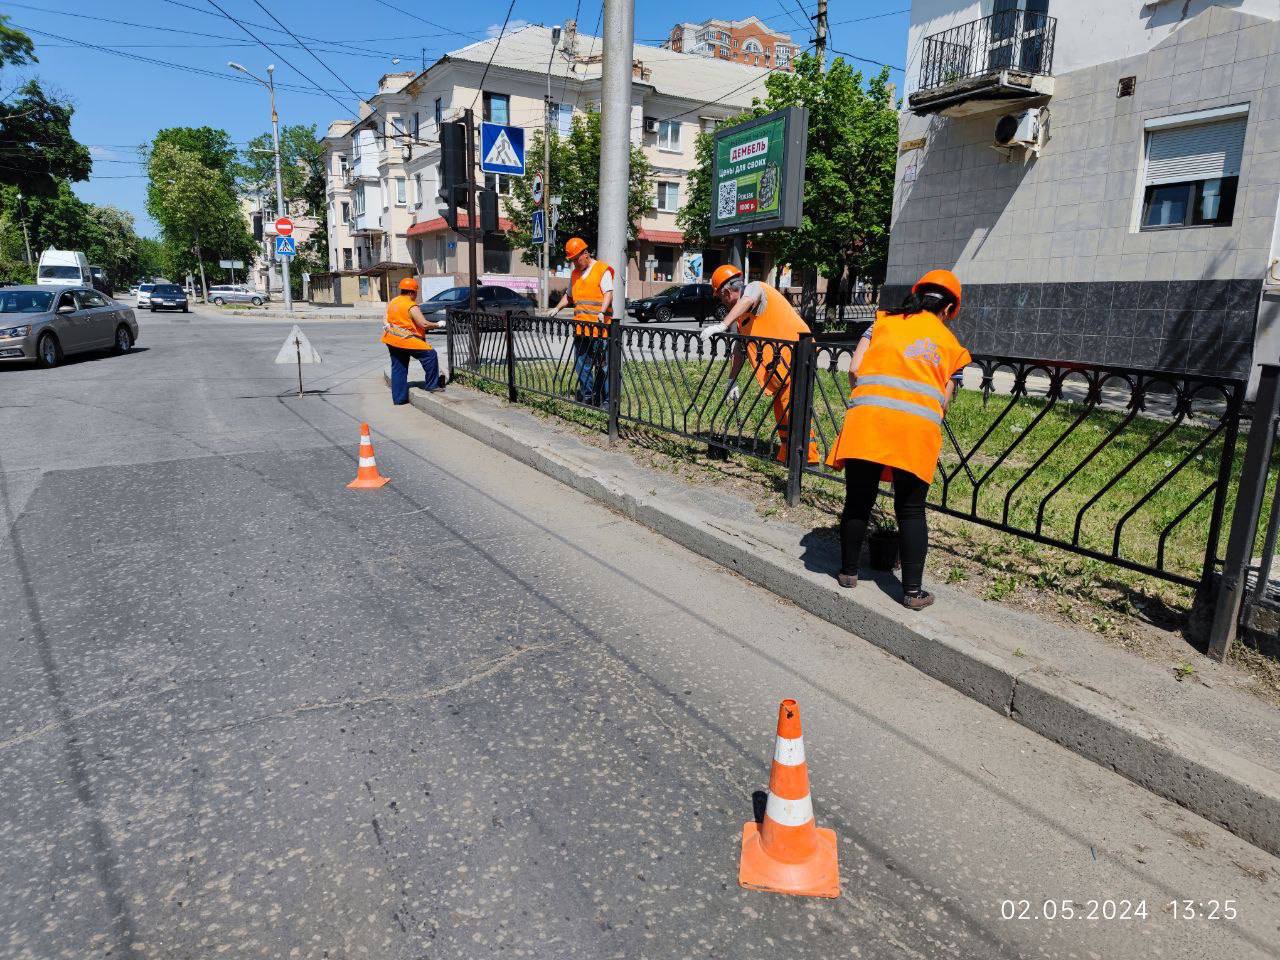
(749, 41)
(675, 97)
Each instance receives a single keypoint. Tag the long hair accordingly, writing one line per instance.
(928, 297)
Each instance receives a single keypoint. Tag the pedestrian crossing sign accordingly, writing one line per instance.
(286, 246)
(537, 226)
(502, 149)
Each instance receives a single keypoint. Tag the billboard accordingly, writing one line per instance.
(757, 173)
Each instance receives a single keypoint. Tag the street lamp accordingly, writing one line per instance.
(270, 84)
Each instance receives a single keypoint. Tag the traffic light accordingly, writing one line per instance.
(257, 227)
(488, 210)
(453, 161)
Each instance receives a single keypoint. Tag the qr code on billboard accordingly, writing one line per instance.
(727, 205)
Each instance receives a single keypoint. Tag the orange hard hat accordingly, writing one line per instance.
(723, 274)
(574, 246)
(943, 279)
(409, 283)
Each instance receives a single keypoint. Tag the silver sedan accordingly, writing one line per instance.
(46, 323)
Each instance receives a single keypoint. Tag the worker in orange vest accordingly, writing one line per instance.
(591, 295)
(903, 377)
(758, 310)
(404, 332)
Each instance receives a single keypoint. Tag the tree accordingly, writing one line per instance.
(575, 178)
(197, 210)
(301, 157)
(849, 173)
(16, 48)
(114, 243)
(211, 146)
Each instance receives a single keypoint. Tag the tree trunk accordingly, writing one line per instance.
(204, 287)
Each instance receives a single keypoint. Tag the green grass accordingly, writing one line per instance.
(1038, 470)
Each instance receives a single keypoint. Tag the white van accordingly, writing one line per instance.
(65, 267)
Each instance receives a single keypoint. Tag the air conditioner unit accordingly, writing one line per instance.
(650, 124)
(1025, 130)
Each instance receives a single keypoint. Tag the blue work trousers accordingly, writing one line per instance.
(400, 358)
(591, 369)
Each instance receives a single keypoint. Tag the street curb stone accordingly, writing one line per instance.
(1232, 791)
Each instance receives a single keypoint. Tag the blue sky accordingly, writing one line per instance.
(121, 102)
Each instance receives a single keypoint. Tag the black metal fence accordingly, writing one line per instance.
(1018, 40)
(1129, 467)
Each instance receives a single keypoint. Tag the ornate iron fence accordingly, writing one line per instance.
(1130, 467)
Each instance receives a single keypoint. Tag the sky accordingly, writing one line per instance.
(163, 63)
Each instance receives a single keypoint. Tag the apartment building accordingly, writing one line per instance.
(388, 160)
(747, 41)
(259, 212)
(1101, 174)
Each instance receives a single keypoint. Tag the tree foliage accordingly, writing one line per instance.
(16, 48)
(105, 234)
(849, 173)
(301, 157)
(197, 210)
(575, 178)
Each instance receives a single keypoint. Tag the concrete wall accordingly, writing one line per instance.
(1050, 251)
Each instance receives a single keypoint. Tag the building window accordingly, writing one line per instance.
(782, 54)
(386, 194)
(343, 165)
(561, 118)
(417, 190)
(417, 124)
(752, 46)
(439, 111)
(400, 192)
(1192, 172)
(346, 258)
(668, 196)
(358, 196)
(665, 268)
(499, 182)
(346, 211)
(442, 252)
(497, 108)
(669, 135)
(497, 253)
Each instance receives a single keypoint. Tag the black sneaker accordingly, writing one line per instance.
(847, 580)
(918, 600)
(443, 381)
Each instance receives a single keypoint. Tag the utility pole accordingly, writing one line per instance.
(472, 226)
(820, 41)
(615, 143)
(270, 84)
(544, 294)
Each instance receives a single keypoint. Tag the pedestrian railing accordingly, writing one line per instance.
(1131, 467)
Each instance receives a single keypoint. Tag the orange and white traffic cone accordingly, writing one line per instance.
(788, 852)
(367, 475)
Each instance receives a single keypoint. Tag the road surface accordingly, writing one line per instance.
(245, 711)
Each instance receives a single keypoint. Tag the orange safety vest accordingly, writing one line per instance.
(778, 321)
(588, 298)
(398, 329)
(894, 413)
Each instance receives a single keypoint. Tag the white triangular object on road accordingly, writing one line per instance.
(297, 345)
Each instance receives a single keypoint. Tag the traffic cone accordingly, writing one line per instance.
(367, 476)
(788, 852)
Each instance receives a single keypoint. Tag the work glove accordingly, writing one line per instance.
(711, 331)
(440, 325)
(732, 394)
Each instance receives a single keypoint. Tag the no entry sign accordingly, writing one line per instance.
(284, 226)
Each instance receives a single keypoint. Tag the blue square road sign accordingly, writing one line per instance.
(537, 226)
(502, 149)
(286, 247)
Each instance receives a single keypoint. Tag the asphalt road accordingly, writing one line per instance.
(247, 712)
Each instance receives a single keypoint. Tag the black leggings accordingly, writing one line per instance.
(861, 484)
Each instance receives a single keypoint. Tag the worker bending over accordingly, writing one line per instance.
(759, 310)
(591, 295)
(404, 332)
(902, 380)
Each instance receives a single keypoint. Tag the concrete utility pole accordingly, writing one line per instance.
(615, 143)
(281, 211)
(820, 41)
(544, 294)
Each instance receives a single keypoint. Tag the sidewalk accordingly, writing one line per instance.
(1206, 746)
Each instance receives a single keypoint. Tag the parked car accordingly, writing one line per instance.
(221, 293)
(168, 296)
(144, 294)
(63, 268)
(46, 323)
(491, 298)
(101, 282)
(682, 300)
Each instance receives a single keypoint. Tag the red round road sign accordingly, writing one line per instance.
(284, 226)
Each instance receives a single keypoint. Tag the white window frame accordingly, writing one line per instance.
(668, 199)
(1190, 121)
(417, 189)
(752, 45)
(669, 136)
(402, 192)
(439, 114)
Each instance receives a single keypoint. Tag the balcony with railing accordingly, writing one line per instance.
(987, 64)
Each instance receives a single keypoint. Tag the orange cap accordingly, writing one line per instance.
(574, 246)
(723, 274)
(409, 283)
(944, 279)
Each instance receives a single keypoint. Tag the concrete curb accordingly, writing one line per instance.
(1233, 791)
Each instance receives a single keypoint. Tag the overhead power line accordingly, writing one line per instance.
(431, 23)
(493, 53)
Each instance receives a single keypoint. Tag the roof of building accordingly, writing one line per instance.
(673, 74)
